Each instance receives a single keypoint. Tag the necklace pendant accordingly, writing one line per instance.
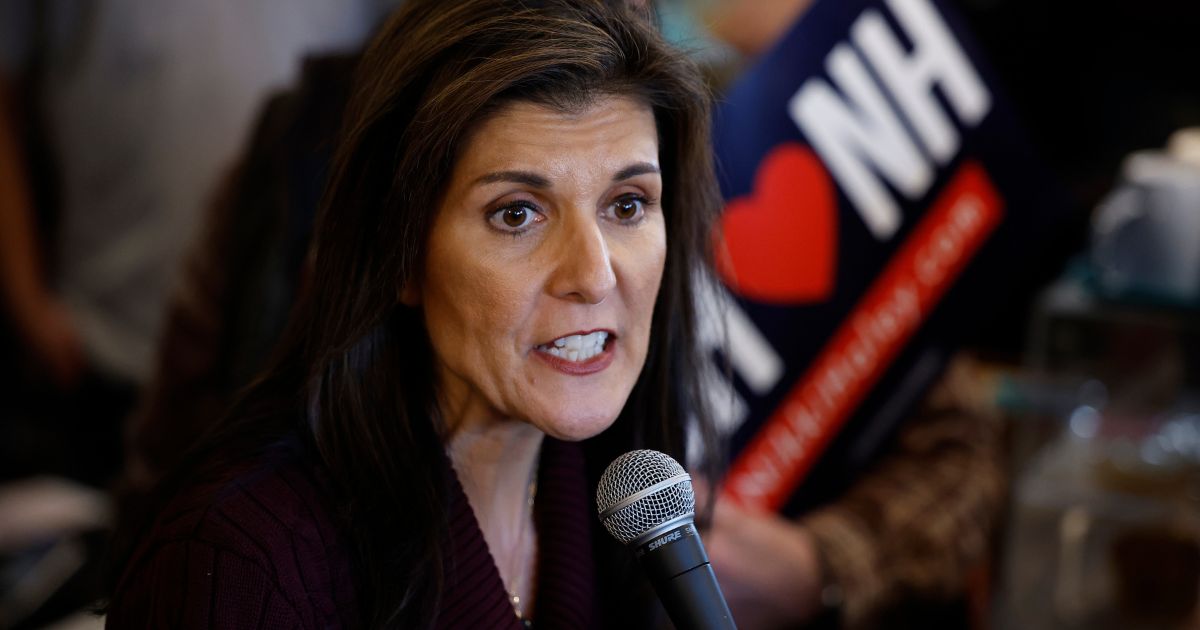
(515, 600)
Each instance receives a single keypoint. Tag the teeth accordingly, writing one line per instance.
(576, 347)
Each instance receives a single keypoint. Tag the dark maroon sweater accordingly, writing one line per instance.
(262, 551)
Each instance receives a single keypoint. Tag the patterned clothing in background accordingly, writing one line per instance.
(908, 536)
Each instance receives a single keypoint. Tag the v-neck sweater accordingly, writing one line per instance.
(263, 551)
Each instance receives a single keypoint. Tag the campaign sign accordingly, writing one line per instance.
(880, 199)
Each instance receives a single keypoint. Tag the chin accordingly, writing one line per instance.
(577, 428)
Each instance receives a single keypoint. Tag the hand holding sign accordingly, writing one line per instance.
(768, 565)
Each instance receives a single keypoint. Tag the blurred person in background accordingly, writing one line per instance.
(123, 113)
(911, 532)
(907, 545)
(243, 271)
(117, 119)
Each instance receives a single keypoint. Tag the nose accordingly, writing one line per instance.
(583, 270)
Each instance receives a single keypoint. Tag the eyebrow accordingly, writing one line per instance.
(537, 181)
(520, 177)
(633, 170)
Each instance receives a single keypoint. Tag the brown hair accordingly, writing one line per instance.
(355, 365)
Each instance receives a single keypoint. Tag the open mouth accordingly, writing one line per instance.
(578, 348)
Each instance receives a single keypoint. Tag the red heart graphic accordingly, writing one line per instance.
(780, 241)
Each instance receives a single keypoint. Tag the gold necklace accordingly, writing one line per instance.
(514, 597)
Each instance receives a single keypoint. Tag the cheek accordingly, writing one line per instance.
(472, 304)
(644, 262)
(650, 262)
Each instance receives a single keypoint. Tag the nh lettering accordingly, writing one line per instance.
(851, 124)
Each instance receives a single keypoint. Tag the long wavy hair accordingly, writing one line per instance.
(353, 372)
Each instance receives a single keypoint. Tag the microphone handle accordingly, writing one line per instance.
(678, 567)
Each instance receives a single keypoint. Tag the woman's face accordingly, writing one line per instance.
(543, 266)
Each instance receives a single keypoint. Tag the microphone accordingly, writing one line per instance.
(646, 501)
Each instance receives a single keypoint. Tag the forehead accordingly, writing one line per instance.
(605, 134)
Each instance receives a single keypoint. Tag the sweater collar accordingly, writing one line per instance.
(474, 594)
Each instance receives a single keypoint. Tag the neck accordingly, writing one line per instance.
(495, 464)
(496, 461)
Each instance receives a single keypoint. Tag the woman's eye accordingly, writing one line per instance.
(629, 209)
(514, 218)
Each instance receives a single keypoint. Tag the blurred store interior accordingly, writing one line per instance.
(123, 124)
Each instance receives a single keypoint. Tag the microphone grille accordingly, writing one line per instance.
(633, 473)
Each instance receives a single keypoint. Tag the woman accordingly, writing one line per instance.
(501, 302)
